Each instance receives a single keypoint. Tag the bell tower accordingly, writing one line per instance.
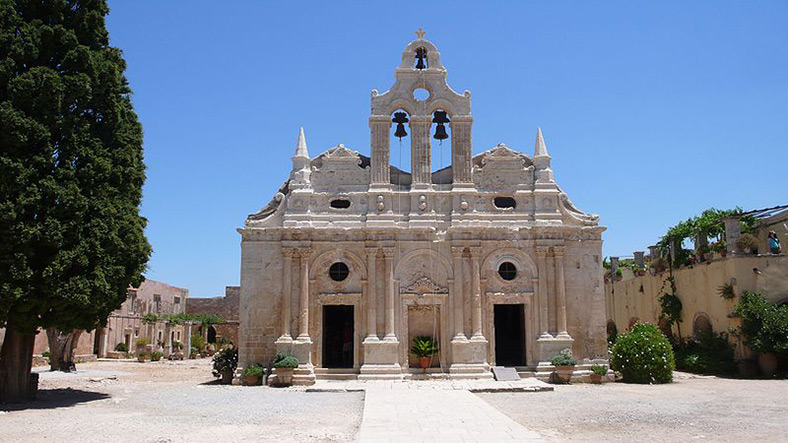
(421, 69)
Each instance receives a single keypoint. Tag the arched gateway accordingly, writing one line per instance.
(354, 258)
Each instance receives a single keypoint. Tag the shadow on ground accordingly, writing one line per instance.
(56, 398)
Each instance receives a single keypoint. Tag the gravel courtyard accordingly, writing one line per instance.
(691, 408)
(179, 402)
(174, 402)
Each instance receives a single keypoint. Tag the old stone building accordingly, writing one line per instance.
(354, 257)
(225, 307)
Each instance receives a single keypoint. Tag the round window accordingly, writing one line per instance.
(507, 270)
(338, 271)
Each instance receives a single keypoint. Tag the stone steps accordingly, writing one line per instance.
(336, 373)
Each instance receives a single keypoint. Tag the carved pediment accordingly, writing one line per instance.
(340, 152)
(424, 285)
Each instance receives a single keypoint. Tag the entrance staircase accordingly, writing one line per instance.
(336, 373)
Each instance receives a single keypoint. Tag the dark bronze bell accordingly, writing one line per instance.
(421, 57)
(400, 118)
(440, 119)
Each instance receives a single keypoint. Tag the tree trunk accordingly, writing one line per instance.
(61, 349)
(16, 360)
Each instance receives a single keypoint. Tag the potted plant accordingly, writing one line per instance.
(252, 375)
(719, 247)
(142, 356)
(177, 351)
(597, 372)
(765, 326)
(155, 356)
(285, 366)
(747, 243)
(424, 348)
(564, 366)
(224, 363)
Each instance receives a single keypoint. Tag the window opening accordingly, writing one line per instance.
(340, 203)
(507, 270)
(505, 202)
(338, 271)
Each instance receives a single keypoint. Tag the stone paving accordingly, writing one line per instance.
(435, 410)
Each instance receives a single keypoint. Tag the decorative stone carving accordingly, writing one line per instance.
(424, 285)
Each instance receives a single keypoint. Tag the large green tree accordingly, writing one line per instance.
(71, 176)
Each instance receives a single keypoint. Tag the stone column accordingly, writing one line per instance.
(458, 297)
(461, 149)
(380, 128)
(544, 299)
(558, 254)
(476, 294)
(372, 294)
(303, 300)
(732, 233)
(388, 259)
(639, 259)
(287, 293)
(420, 156)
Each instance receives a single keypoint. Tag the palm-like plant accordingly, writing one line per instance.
(424, 346)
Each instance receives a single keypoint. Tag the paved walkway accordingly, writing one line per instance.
(398, 413)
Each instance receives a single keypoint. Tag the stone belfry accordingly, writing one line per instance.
(354, 258)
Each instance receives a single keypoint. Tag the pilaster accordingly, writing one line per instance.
(421, 157)
(461, 152)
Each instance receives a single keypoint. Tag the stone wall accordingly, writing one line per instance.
(226, 307)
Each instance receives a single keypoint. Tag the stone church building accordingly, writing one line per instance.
(353, 257)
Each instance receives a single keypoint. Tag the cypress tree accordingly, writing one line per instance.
(71, 176)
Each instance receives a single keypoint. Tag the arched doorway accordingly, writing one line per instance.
(211, 334)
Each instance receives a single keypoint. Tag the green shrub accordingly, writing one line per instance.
(176, 345)
(643, 355)
(564, 358)
(155, 356)
(141, 342)
(45, 354)
(225, 360)
(285, 361)
(254, 371)
(121, 347)
(599, 369)
(709, 354)
(764, 324)
(198, 342)
(747, 241)
(424, 346)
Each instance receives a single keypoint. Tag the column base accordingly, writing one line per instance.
(381, 360)
(469, 360)
(550, 347)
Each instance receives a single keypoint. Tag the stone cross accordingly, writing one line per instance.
(420, 33)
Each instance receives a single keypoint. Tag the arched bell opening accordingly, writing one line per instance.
(400, 147)
(440, 147)
(421, 58)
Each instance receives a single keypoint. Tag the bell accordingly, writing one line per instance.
(400, 118)
(440, 130)
(421, 55)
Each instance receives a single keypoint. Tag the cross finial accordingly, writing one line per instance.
(420, 33)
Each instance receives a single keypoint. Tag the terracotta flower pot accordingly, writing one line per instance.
(596, 379)
(424, 362)
(768, 363)
(563, 374)
(252, 380)
(284, 376)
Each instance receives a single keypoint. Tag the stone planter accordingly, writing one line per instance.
(252, 380)
(284, 376)
(768, 363)
(596, 379)
(227, 377)
(563, 374)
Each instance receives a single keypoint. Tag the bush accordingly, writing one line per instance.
(177, 345)
(564, 358)
(285, 361)
(45, 354)
(141, 342)
(121, 347)
(599, 369)
(747, 241)
(643, 355)
(198, 342)
(764, 324)
(424, 346)
(253, 371)
(225, 360)
(709, 354)
(155, 356)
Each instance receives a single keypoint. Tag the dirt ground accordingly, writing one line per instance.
(173, 402)
(691, 408)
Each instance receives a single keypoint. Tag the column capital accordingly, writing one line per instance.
(558, 251)
(371, 250)
(389, 252)
(378, 119)
(456, 251)
(462, 119)
(288, 252)
(542, 251)
(476, 251)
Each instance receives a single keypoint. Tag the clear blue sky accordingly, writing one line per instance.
(652, 111)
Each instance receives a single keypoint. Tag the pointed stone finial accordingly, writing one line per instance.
(541, 149)
(301, 150)
(420, 33)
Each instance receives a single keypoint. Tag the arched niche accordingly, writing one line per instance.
(526, 271)
(423, 263)
(701, 325)
(319, 271)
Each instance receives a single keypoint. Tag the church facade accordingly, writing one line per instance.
(354, 258)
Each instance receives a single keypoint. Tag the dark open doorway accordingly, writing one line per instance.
(509, 335)
(338, 336)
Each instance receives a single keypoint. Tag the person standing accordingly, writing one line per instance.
(774, 243)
